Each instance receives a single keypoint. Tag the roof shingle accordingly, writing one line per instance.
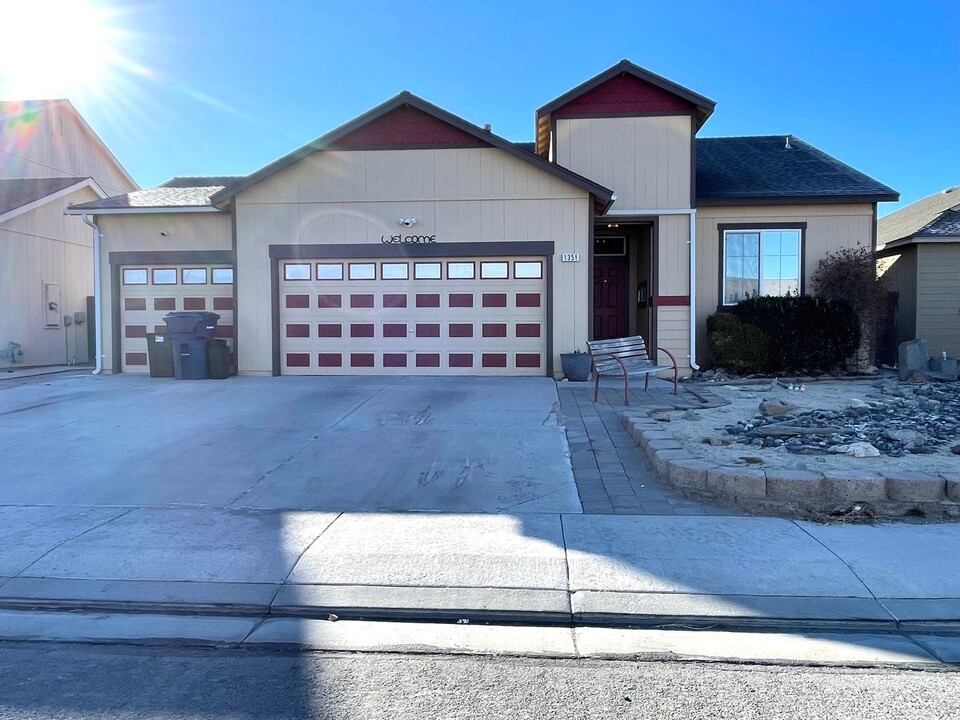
(185, 192)
(769, 167)
(921, 219)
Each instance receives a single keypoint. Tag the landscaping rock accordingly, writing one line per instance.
(857, 449)
(776, 408)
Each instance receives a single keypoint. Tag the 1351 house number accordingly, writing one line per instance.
(387, 240)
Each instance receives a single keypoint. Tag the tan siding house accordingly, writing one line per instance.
(919, 254)
(412, 241)
(49, 159)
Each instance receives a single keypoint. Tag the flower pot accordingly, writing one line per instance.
(576, 366)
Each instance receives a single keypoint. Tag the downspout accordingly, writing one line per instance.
(98, 330)
(693, 290)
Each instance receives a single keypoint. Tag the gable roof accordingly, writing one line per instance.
(409, 100)
(702, 106)
(184, 194)
(13, 109)
(772, 169)
(934, 216)
(20, 195)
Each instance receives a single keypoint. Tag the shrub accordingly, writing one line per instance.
(850, 275)
(791, 333)
(742, 349)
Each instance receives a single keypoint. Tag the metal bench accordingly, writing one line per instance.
(623, 357)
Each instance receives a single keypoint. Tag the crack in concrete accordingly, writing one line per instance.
(71, 539)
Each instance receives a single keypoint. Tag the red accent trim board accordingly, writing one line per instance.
(671, 300)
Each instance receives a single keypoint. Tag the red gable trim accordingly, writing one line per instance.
(624, 95)
(406, 127)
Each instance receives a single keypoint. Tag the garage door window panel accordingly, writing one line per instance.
(329, 271)
(134, 276)
(426, 271)
(363, 271)
(222, 276)
(528, 270)
(461, 271)
(296, 271)
(193, 276)
(494, 270)
(164, 276)
(395, 271)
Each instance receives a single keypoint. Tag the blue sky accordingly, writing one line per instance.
(225, 86)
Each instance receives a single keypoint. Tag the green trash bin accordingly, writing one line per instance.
(218, 360)
(159, 355)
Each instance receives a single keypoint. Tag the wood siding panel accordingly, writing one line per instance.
(45, 246)
(829, 228)
(35, 150)
(938, 296)
(645, 160)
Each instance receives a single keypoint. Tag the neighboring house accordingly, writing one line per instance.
(918, 251)
(49, 159)
(412, 241)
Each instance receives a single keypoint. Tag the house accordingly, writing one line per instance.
(918, 252)
(49, 158)
(412, 241)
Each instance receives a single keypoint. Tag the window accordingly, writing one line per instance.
(222, 276)
(764, 262)
(194, 276)
(426, 271)
(493, 270)
(460, 271)
(528, 270)
(395, 271)
(363, 271)
(610, 246)
(329, 271)
(164, 276)
(134, 276)
(296, 271)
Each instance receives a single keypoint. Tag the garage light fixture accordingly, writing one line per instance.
(407, 222)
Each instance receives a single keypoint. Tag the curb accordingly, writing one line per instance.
(790, 492)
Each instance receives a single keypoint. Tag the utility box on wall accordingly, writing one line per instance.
(51, 304)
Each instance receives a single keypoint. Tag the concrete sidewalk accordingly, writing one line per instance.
(734, 572)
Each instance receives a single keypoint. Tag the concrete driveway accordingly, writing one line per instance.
(340, 444)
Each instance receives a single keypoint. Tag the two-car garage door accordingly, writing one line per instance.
(431, 316)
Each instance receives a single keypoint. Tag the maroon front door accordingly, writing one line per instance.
(610, 314)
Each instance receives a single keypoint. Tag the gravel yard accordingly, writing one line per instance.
(908, 427)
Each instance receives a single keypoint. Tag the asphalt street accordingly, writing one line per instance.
(82, 681)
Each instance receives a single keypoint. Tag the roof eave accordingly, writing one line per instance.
(80, 210)
(705, 106)
(219, 198)
(34, 204)
(797, 199)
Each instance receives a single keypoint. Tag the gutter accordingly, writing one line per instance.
(98, 330)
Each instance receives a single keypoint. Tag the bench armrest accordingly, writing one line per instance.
(669, 355)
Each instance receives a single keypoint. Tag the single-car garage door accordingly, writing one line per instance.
(463, 316)
(148, 293)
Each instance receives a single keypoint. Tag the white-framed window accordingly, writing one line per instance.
(222, 276)
(426, 271)
(164, 276)
(134, 276)
(494, 270)
(760, 262)
(460, 271)
(193, 276)
(395, 271)
(329, 271)
(296, 271)
(363, 271)
(528, 269)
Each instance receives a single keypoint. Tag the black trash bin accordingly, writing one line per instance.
(188, 334)
(218, 360)
(159, 355)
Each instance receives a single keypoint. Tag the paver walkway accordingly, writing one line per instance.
(612, 475)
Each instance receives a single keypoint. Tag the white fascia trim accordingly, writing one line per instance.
(87, 183)
(650, 211)
(140, 211)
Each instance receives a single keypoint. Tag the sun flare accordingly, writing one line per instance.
(56, 48)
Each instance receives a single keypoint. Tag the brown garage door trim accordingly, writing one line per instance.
(452, 250)
(155, 257)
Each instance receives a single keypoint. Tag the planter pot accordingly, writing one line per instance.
(576, 366)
